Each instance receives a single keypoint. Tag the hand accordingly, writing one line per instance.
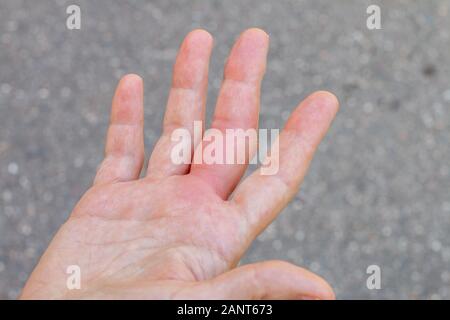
(178, 233)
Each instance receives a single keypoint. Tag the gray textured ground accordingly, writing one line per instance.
(377, 192)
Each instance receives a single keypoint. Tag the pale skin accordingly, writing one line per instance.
(179, 231)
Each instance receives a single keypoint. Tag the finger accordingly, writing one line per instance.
(186, 102)
(124, 151)
(266, 192)
(266, 280)
(237, 108)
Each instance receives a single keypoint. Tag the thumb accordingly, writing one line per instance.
(267, 280)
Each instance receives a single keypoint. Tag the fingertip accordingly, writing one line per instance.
(247, 59)
(132, 78)
(326, 292)
(127, 106)
(312, 285)
(255, 38)
(199, 37)
(303, 283)
(325, 98)
(257, 33)
(315, 113)
(129, 85)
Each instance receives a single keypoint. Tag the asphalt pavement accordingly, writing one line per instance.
(377, 192)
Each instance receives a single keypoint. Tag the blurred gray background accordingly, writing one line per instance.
(378, 189)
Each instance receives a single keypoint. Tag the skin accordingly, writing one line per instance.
(180, 231)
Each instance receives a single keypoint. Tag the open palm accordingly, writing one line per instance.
(180, 231)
